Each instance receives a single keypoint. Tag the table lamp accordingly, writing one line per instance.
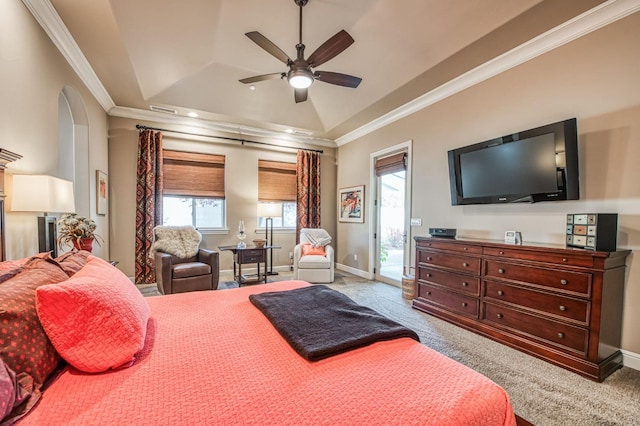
(46, 194)
(269, 211)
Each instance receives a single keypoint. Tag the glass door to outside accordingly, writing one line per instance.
(392, 233)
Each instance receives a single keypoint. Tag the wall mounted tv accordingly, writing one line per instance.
(534, 165)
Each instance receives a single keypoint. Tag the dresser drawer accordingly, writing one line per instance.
(251, 256)
(556, 305)
(453, 302)
(566, 281)
(459, 282)
(456, 246)
(460, 263)
(559, 334)
(560, 259)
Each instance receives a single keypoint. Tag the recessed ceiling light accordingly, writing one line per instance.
(252, 87)
(192, 114)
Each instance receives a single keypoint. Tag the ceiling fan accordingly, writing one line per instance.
(301, 72)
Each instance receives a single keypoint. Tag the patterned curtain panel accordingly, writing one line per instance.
(308, 187)
(148, 202)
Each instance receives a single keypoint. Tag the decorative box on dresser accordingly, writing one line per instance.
(561, 305)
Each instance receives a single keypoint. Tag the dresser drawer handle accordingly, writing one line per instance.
(563, 282)
(429, 258)
(563, 308)
(561, 335)
(428, 293)
(499, 316)
(564, 259)
(500, 292)
(465, 284)
(501, 271)
(465, 264)
(465, 249)
(464, 304)
(428, 275)
(500, 252)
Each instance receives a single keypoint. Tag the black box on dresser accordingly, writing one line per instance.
(563, 305)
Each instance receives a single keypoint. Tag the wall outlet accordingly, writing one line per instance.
(355, 257)
(416, 221)
(290, 255)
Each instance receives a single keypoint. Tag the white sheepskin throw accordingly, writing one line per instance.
(316, 236)
(180, 241)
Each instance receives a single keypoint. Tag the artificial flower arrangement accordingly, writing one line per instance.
(73, 228)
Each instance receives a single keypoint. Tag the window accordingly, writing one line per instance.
(277, 184)
(199, 212)
(287, 219)
(193, 192)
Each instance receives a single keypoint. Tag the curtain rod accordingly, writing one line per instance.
(241, 140)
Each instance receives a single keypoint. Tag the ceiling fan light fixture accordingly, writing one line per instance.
(300, 78)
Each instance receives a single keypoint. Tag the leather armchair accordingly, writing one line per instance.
(178, 275)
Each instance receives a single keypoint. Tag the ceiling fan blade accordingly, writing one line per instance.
(258, 78)
(301, 95)
(330, 48)
(268, 45)
(338, 78)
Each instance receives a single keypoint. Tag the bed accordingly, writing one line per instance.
(213, 357)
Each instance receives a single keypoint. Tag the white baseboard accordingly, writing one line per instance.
(630, 359)
(354, 271)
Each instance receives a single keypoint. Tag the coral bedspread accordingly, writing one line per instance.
(213, 358)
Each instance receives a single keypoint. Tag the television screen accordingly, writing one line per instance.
(534, 165)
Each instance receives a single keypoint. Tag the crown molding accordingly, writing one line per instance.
(50, 21)
(220, 127)
(589, 21)
(46, 15)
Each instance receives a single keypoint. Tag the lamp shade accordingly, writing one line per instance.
(42, 193)
(269, 209)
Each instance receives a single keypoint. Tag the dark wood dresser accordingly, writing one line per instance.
(561, 305)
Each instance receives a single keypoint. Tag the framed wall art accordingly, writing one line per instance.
(351, 204)
(102, 192)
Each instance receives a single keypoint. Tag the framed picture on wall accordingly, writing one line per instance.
(351, 204)
(102, 192)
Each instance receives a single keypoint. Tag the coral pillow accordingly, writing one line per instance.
(97, 319)
(308, 249)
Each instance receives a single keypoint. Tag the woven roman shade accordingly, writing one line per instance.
(193, 174)
(276, 181)
(392, 164)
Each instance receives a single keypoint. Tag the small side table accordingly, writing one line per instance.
(243, 256)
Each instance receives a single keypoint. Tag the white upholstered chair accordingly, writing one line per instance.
(314, 268)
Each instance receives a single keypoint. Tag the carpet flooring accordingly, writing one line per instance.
(541, 393)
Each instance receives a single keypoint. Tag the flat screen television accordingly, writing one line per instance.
(534, 165)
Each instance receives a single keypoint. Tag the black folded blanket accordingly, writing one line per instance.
(319, 322)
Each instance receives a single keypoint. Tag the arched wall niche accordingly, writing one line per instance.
(73, 147)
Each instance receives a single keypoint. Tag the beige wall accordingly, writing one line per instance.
(32, 75)
(241, 180)
(595, 79)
